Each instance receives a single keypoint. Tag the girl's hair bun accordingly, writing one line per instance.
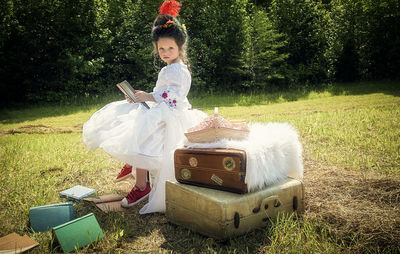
(171, 7)
(167, 25)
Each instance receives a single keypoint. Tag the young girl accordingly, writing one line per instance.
(147, 138)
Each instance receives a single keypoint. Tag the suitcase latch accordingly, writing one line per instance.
(268, 204)
(236, 220)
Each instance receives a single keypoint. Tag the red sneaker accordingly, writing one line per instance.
(125, 173)
(135, 196)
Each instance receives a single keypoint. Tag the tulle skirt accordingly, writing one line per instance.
(144, 138)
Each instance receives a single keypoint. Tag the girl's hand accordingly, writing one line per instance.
(128, 99)
(141, 96)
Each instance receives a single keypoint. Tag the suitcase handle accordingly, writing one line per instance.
(269, 203)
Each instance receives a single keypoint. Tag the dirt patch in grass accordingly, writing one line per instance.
(362, 209)
(41, 129)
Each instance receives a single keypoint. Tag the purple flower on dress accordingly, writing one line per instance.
(172, 103)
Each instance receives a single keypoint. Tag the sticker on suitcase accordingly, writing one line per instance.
(229, 163)
(216, 179)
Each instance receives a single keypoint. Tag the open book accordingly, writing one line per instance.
(77, 192)
(14, 243)
(108, 202)
(128, 90)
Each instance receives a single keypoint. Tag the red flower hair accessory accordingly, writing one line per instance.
(169, 24)
(171, 7)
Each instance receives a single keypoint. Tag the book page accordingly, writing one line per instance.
(14, 243)
(105, 198)
(78, 192)
(128, 90)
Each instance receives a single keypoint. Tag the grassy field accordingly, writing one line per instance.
(351, 140)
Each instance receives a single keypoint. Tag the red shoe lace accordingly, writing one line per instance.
(132, 194)
(135, 193)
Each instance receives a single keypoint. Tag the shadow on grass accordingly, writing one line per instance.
(385, 87)
(208, 102)
(21, 113)
(182, 240)
(27, 112)
(159, 233)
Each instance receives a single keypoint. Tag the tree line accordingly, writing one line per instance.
(52, 50)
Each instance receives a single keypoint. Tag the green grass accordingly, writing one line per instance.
(353, 125)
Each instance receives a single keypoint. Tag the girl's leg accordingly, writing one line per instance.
(141, 178)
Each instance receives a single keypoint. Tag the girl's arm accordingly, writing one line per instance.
(141, 96)
(178, 87)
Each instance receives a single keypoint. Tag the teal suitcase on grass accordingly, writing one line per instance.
(78, 233)
(43, 218)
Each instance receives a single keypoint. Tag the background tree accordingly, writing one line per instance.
(55, 50)
(129, 55)
(265, 59)
(217, 37)
(380, 54)
(343, 33)
(300, 21)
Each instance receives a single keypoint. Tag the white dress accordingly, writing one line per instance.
(147, 138)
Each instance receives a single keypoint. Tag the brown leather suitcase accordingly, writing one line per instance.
(222, 169)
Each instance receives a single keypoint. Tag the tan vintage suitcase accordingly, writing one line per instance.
(222, 169)
(222, 214)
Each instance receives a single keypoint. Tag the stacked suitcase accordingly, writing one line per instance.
(211, 195)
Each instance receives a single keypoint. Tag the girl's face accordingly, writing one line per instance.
(168, 50)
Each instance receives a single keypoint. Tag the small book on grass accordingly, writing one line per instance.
(128, 90)
(108, 202)
(14, 243)
(77, 192)
(78, 233)
(43, 218)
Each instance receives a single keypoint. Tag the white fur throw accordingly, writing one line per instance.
(273, 151)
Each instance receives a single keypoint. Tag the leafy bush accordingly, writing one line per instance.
(58, 49)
